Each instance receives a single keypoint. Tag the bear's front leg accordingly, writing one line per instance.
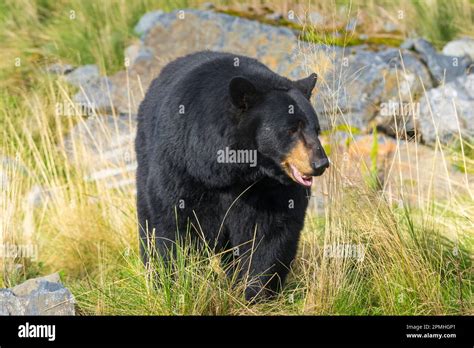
(263, 261)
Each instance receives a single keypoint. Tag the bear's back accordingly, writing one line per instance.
(192, 92)
(193, 78)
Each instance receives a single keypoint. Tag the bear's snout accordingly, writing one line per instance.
(319, 166)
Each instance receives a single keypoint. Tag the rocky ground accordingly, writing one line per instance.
(408, 91)
(38, 296)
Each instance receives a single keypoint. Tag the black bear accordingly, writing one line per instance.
(225, 143)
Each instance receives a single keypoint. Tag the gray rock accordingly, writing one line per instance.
(104, 148)
(351, 91)
(96, 94)
(460, 48)
(30, 285)
(50, 299)
(445, 102)
(430, 163)
(442, 68)
(167, 36)
(147, 21)
(137, 52)
(408, 61)
(94, 90)
(356, 89)
(10, 304)
(361, 80)
(198, 30)
(83, 75)
(39, 296)
(401, 95)
(59, 69)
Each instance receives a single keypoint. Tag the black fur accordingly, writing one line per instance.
(224, 105)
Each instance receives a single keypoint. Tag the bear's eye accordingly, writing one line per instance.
(293, 130)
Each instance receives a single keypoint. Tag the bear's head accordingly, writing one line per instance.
(283, 126)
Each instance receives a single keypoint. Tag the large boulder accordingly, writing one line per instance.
(361, 80)
(408, 78)
(448, 110)
(351, 89)
(39, 296)
(443, 68)
(95, 91)
(460, 48)
(167, 36)
(103, 147)
(148, 21)
(360, 86)
(83, 75)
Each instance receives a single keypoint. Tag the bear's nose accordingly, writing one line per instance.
(320, 166)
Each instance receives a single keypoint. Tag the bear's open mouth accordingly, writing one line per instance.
(305, 180)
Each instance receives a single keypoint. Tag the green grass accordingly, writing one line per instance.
(439, 20)
(76, 32)
(35, 34)
(462, 155)
(409, 269)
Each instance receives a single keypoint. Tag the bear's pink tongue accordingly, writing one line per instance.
(300, 178)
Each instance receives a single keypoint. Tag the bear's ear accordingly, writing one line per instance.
(242, 92)
(307, 84)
